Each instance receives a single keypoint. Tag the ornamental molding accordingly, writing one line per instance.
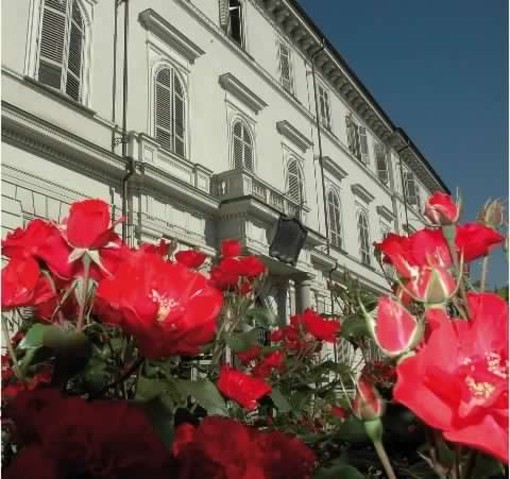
(361, 192)
(334, 168)
(294, 135)
(386, 213)
(157, 25)
(239, 90)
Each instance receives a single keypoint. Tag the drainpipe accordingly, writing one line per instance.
(130, 166)
(404, 192)
(114, 79)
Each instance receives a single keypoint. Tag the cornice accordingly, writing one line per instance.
(386, 213)
(334, 168)
(243, 93)
(157, 25)
(361, 192)
(294, 135)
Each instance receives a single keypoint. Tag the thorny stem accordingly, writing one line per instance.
(86, 267)
(484, 272)
(10, 350)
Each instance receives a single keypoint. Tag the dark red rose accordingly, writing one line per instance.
(190, 258)
(167, 307)
(276, 335)
(230, 247)
(474, 240)
(440, 209)
(339, 412)
(242, 388)
(250, 354)
(471, 358)
(319, 327)
(32, 462)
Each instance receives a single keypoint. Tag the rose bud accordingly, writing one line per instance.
(396, 330)
(433, 285)
(492, 214)
(440, 209)
(367, 404)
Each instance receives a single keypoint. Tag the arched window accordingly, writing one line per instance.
(364, 237)
(61, 47)
(335, 227)
(242, 146)
(295, 182)
(169, 108)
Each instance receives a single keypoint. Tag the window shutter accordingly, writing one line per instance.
(163, 114)
(295, 182)
(74, 59)
(364, 240)
(285, 70)
(350, 133)
(223, 6)
(52, 42)
(178, 117)
(248, 149)
(237, 138)
(410, 186)
(363, 145)
(335, 231)
(381, 163)
(235, 21)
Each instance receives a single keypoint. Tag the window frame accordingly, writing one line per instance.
(175, 73)
(364, 249)
(335, 234)
(324, 100)
(357, 139)
(281, 44)
(409, 178)
(245, 129)
(381, 154)
(242, 39)
(301, 180)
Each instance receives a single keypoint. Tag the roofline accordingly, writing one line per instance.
(365, 90)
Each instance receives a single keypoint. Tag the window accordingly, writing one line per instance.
(335, 227)
(169, 108)
(295, 182)
(235, 21)
(285, 66)
(357, 140)
(364, 238)
(242, 146)
(61, 45)
(411, 190)
(324, 113)
(381, 163)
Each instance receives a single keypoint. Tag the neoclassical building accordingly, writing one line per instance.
(204, 120)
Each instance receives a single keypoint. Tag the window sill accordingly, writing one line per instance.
(61, 97)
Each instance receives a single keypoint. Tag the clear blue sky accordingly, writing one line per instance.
(439, 69)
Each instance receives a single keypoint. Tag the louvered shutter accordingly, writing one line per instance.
(285, 70)
(364, 241)
(163, 106)
(324, 106)
(295, 182)
(238, 145)
(224, 16)
(335, 231)
(52, 43)
(411, 193)
(178, 117)
(74, 58)
(381, 163)
(350, 133)
(363, 145)
(248, 149)
(235, 21)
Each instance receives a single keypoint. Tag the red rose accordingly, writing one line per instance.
(471, 358)
(89, 224)
(396, 330)
(474, 240)
(250, 354)
(440, 209)
(319, 327)
(162, 248)
(234, 272)
(276, 335)
(230, 247)
(32, 462)
(434, 285)
(268, 363)
(190, 258)
(339, 412)
(242, 388)
(167, 307)
(23, 284)
(367, 404)
(26, 242)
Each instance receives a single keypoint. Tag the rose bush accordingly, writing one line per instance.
(131, 362)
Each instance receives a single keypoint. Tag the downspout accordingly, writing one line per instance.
(130, 167)
(321, 164)
(114, 79)
(404, 192)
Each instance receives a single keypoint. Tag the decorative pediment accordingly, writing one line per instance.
(386, 213)
(294, 135)
(362, 193)
(238, 89)
(157, 25)
(334, 168)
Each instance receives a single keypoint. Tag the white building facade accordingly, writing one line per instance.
(217, 99)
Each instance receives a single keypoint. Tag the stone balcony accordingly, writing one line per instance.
(242, 184)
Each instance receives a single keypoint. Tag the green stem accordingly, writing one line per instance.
(470, 464)
(456, 464)
(484, 272)
(385, 460)
(10, 350)
(86, 267)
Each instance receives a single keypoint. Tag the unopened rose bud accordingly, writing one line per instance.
(492, 214)
(433, 285)
(440, 209)
(367, 404)
(396, 330)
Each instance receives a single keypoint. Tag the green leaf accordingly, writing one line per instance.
(300, 399)
(337, 471)
(280, 401)
(353, 327)
(487, 467)
(261, 315)
(149, 389)
(95, 374)
(161, 420)
(242, 341)
(35, 335)
(352, 430)
(205, 393)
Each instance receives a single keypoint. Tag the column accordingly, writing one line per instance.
(303, 294)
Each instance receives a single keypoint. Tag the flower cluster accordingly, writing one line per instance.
(227, 449)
